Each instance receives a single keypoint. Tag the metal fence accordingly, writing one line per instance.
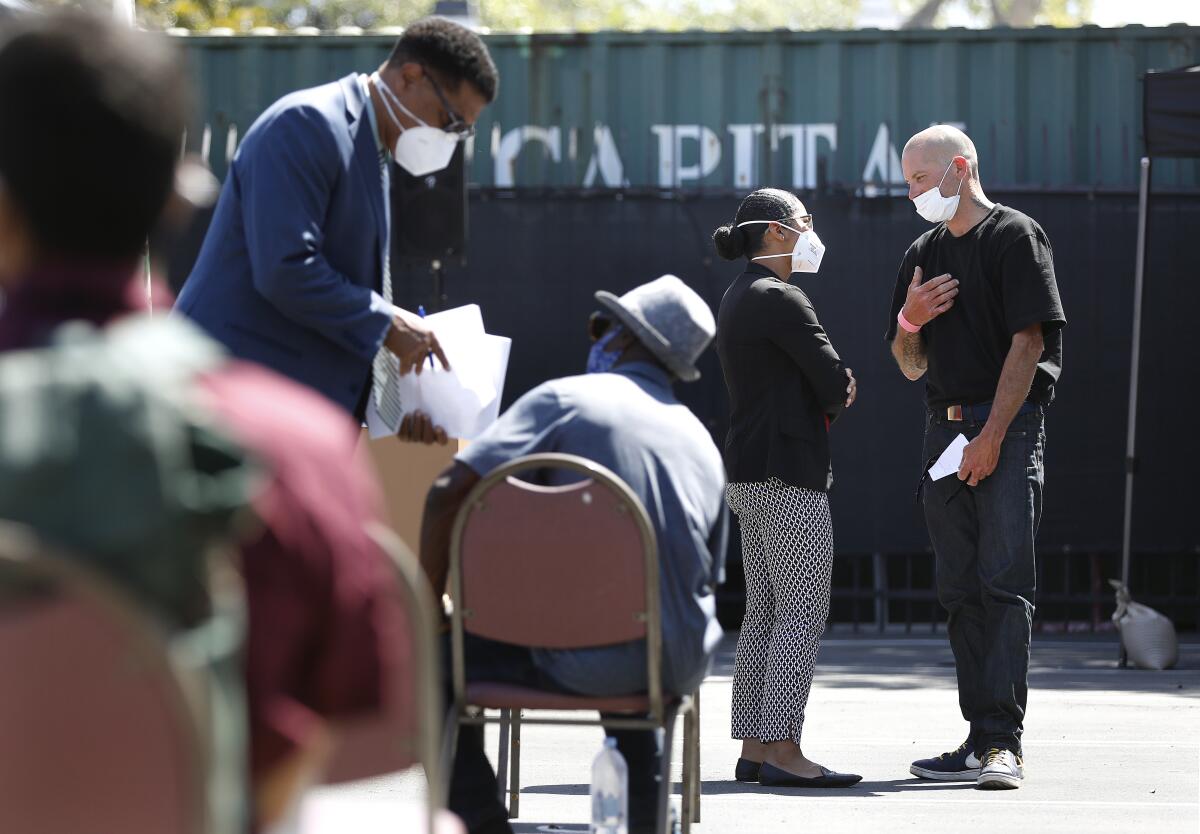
(894, 593)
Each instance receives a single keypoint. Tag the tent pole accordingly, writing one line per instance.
(1134, 363)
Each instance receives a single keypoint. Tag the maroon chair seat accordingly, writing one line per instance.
(96, 733)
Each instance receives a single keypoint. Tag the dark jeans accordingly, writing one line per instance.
(473, 792)
(983, 542)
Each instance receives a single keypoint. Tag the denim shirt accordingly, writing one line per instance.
(630, 421)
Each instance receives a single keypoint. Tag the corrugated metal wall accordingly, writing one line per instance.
(1049, 109)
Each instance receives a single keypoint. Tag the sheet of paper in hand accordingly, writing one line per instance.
(466, 399)
(951, 459)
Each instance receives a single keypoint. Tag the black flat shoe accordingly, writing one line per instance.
(747, 771)
(772, 777)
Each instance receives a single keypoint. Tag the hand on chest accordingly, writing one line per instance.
(978, 281)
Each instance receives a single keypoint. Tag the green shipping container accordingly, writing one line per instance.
(1049, 109)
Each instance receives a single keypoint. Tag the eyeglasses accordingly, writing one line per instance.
(798, 223)
(456, 124)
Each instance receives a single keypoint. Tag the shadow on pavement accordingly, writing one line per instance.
(557, 790)
(872, 788)
(875, 788)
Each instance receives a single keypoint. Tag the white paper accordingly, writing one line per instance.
(465, 400)
(492, 353)
(951, 460)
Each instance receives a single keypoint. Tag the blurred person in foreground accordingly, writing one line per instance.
(322, 607)
(976, 313)
(623, 415)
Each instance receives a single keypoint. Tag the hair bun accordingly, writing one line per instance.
(730, 242)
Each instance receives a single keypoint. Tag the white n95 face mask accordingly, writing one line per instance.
(806, 255)
(935, 208)
(421, 150)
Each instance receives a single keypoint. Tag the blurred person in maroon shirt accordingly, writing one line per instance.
(323, 609)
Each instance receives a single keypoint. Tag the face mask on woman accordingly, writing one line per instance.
(806, 255)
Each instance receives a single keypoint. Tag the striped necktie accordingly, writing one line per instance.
(385, 370)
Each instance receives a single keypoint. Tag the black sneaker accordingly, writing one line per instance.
(1002, 770)
(961, 765)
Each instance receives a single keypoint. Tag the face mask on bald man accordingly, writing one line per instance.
(935, 208)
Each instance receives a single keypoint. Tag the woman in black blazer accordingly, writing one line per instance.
(786, 386)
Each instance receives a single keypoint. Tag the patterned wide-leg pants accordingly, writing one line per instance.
(787, 551)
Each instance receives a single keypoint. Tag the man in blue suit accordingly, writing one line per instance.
(293, 273)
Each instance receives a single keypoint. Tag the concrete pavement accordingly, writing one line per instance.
(1107, 750)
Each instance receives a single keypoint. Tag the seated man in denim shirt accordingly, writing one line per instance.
(624, 416)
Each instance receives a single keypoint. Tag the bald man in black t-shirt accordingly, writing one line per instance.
(976, 313)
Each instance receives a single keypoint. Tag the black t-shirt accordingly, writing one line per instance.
(1005, 269)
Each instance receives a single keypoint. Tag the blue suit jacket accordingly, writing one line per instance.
(297, 242)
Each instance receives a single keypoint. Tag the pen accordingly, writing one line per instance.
(421, 313)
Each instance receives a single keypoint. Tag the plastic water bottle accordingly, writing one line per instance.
(610, 791)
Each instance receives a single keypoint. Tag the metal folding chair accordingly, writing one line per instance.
(562, 567)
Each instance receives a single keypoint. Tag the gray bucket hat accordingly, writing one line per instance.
(669, 318)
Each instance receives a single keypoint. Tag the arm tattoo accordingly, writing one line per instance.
(911, 355)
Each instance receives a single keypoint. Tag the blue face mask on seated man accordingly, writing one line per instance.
(600, 360)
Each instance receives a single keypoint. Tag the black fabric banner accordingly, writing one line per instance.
(1171, 113)
(535, 261)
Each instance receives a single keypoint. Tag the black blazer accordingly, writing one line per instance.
(784, 380)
